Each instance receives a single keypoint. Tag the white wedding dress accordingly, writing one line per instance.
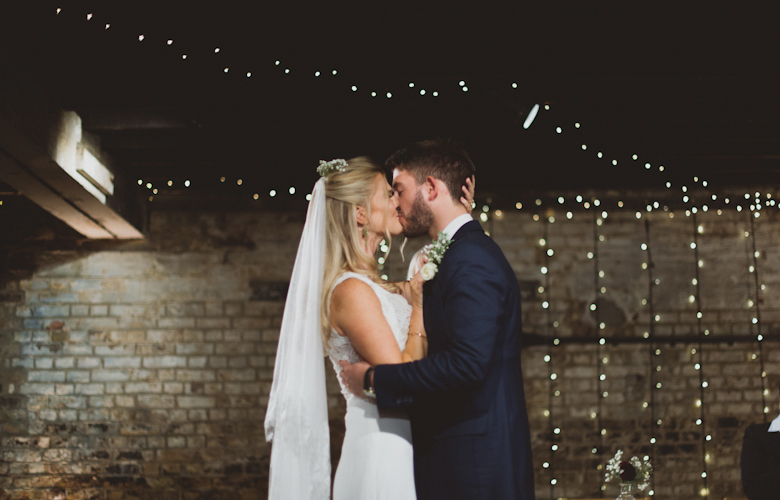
(376, 458)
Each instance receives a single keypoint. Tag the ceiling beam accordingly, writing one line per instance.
(66, 178)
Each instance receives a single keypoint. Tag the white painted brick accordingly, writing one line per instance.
(22, 337)
(79, 310)
(78, 376)
(195, 375)
(27, 363)
(65, 362)
(195, 401)
(110, 375)
(164, 361)
(44, 363)
(115, 350)
(50, 415)
(46, 376)
(197, 361)
(114, 388)
(101, 402)
(64, 389)
(143, 387)
(176, 323)
(89, 389)
(98, 310)
(190, 348)
(125, 401)
(29, 388)
(84, 363)
(156, 401)
(51, 311)
(123, 362)
(68, 415)
(76, 350)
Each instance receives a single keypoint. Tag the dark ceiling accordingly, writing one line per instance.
(688, 85)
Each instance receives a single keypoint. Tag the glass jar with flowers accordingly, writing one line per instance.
(632, 474)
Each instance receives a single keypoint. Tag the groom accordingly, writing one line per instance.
(466, 400)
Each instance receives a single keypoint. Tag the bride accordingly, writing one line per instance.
(337, 304)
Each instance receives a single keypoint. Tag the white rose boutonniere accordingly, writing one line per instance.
(428, 271)
(434, 252)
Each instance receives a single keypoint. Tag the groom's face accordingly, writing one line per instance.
(415, 215)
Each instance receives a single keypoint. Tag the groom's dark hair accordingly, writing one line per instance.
(441, 159)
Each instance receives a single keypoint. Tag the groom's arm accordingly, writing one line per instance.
(475, 295)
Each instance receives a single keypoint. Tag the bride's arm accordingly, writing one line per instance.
(356, 312)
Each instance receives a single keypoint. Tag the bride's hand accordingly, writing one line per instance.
(416, 289)
(468, 193)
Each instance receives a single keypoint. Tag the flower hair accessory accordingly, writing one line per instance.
(434, 252)
(328, 167)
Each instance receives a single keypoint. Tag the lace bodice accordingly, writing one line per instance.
(397, 312)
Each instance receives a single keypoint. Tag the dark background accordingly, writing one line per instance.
(688, 85)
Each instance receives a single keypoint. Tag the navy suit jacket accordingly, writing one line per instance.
(466, 399)
(760, 462)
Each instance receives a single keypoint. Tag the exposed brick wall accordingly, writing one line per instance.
(142, 371)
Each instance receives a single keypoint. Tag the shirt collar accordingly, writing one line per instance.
(775, 425)
(457, 223)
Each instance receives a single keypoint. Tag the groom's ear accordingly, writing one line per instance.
(431, 188)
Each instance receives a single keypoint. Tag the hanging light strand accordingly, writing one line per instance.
(651, 350)
(599, 362)
(702, 384)
(551, 376)
(757, 319)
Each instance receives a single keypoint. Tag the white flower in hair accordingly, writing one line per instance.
(328, 167)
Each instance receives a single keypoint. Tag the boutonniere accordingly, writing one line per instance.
(434, 251)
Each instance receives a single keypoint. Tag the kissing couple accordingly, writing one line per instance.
(430, 367)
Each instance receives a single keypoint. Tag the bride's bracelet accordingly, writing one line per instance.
(418, 334)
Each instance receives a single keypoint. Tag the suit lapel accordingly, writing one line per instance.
(433, 310)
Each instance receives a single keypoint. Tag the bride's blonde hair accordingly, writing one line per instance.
(344, 247)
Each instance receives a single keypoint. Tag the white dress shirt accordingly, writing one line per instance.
(775, 425)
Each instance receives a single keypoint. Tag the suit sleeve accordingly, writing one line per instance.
(474, 296)
(759, 479)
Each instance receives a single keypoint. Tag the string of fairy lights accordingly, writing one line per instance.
(449, 86)
(601, 394)
(553, 431)
(703, 384)
(652, 353)
(756, 320)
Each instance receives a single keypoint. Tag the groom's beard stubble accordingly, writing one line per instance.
(419, 219)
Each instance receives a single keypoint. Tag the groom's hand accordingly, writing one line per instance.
(352, 376)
